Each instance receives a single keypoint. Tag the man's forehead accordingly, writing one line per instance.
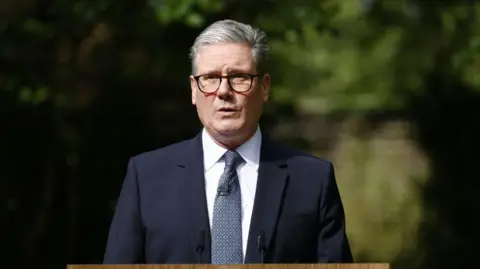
(227, 67)
(225, 58)
(238, 50)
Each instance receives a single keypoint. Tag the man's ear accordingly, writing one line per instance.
(265, 86)
(193, 86)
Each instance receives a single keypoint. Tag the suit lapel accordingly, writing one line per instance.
(272, 179)
(192, 192)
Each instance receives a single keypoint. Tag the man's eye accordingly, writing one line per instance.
(209, 77)
(240, 76)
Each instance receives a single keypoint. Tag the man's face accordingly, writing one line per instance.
(227, 113)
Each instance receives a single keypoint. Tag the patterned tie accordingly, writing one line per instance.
(227, 215)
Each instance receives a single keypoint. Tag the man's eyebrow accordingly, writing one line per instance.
(210, 72)
(238, 70)
(229, 71)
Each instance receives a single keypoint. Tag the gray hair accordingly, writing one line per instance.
(232, 31)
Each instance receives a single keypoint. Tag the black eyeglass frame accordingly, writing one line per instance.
(252, 77)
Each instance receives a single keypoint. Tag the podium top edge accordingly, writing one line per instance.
(243, 266)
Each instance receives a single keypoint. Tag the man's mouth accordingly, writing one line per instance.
(227, 109)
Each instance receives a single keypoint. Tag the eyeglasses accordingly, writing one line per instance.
(240, 82)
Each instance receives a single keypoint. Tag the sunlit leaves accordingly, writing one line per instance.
(372, 65)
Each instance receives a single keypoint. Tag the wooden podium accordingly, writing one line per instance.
(239, 266)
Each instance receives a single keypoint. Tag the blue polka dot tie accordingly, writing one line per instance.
(227, 215)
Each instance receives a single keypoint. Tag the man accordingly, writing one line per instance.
(229, 195)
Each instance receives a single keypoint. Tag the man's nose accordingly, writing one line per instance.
(224, 88)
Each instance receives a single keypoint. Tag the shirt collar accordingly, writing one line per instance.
(250, 150)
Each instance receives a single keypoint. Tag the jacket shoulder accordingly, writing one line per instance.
(167, 154)
(296, 157)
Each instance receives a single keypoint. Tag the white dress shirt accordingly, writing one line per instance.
(247, 174)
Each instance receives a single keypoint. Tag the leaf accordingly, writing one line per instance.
(194, 20)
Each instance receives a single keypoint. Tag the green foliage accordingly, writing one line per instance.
(189, 12)
(372, 65)
(35, 97)
(468, 61)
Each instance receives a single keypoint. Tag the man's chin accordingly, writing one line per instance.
(229, 127)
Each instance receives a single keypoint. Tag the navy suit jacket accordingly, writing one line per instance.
(162, 210)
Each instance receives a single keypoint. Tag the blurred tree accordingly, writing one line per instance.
(413, 60)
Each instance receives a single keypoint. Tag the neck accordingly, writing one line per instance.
(231, 141)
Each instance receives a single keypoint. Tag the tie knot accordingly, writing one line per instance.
(232, 158)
